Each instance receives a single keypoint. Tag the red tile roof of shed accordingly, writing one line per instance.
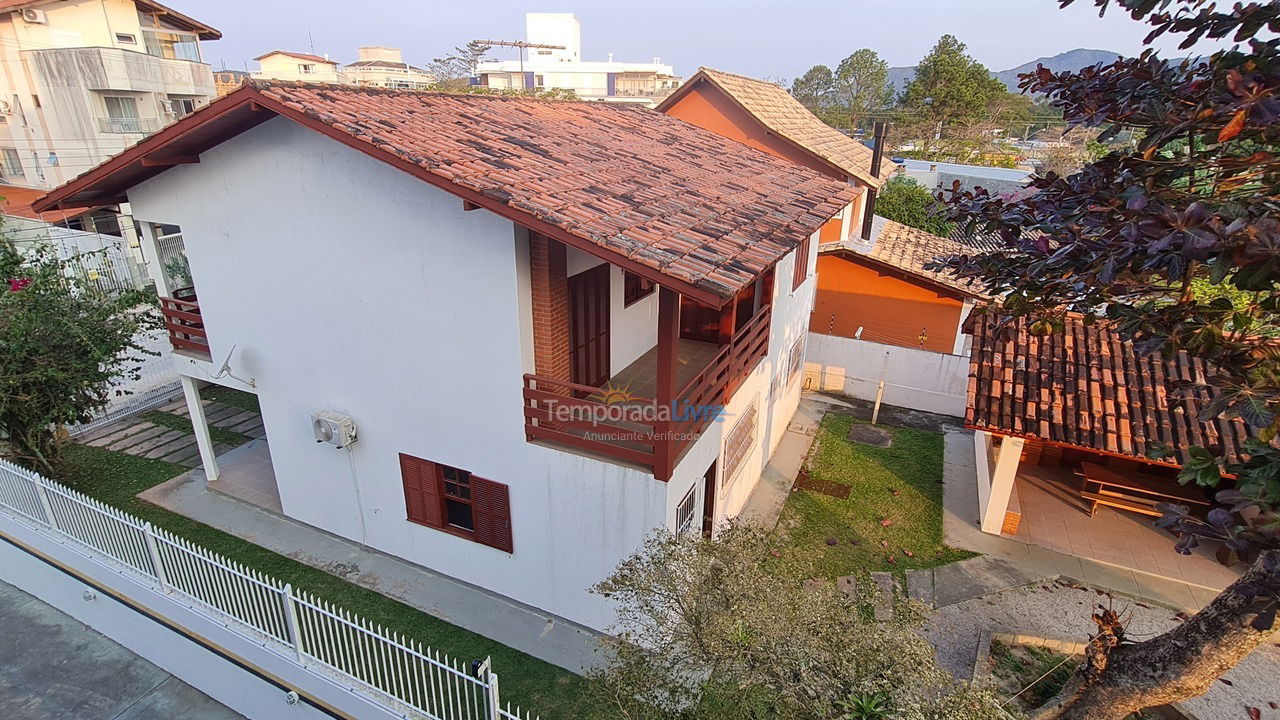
(1088, 388)
(706, 215)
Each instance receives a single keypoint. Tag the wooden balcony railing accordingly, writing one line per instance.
(631, 429)
(182, 320)
(721, 378)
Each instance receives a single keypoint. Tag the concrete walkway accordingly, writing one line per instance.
(528, 629)
(54, 667)
(1006, 560)
(764, 504)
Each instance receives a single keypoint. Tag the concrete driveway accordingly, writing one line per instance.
(53, 666)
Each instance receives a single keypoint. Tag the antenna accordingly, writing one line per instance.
(225, 371)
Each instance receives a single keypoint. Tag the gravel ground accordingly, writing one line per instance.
(1060, 610)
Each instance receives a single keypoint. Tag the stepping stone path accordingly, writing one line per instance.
(140, 438)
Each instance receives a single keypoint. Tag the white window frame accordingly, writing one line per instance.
(687, 512)
(12, 162)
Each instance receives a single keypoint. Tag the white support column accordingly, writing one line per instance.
(201, 426)
(151, 254)
(1002, 478)
(965, 309)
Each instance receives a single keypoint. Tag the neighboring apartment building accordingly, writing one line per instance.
(536, 284)
(642, 83)
(286, 65)
(385, 67)
(81, 80)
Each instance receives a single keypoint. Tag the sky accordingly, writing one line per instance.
(777, 40)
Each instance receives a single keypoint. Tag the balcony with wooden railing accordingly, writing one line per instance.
(693, 379)
(185, 325)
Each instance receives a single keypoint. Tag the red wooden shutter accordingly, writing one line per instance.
(421, 491)
(802, 264)
(491, 508)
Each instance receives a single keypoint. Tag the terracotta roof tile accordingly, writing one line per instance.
(909, 249)
(774, 107)
(661, 192)
(1088, 387)
(15, 200)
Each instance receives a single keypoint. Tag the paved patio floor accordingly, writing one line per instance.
(1054, 517)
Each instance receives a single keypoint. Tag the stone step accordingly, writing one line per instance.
(886, 588)
(214, 413)
(920, 586)
(124, 443)
(114, 433)
(181, 442)
(241, 418)
(182, 454)
(141, 449)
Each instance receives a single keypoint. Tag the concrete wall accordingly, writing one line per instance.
(917, 379)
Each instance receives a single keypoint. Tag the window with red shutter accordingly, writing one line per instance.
(455, 501)
(802, 264)
(421, 491)
(492, 505)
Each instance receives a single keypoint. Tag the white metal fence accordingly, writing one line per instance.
(381, 665)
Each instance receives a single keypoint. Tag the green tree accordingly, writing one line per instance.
(861, 85)
(726, 629)
(63, 347)
(949, 85)
(457, 68)
(1133, 238)
(910, 203)
(815, 90)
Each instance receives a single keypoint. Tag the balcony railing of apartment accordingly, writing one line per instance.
(128, 125)
(587, 418)
(182, 319)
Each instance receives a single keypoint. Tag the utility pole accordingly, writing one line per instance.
(520, 46)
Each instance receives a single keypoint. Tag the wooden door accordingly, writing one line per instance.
(709, 501)
(589, 326)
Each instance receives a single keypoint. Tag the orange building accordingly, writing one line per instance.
(873, 288)
(879, 290)
(766, 117)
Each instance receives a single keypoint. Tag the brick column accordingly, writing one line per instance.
(549, 284)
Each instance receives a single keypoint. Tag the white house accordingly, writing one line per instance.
(558, 64)
(506, 296)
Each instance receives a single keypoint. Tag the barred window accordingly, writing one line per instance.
(685, 512)
(737, 446)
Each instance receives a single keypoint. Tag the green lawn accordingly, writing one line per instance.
(116, 478)
(901, 484)
(229, 396)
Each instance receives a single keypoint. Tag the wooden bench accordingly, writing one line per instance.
(1135, 492)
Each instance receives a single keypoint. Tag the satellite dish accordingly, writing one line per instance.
(225, 370)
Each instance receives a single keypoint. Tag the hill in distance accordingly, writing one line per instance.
(1069, 60)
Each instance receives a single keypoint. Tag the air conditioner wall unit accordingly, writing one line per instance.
(334, 428)
(32, 15)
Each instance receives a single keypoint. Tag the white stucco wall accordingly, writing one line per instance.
(350, 286)
(914, 378)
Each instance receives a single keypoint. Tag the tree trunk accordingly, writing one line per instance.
(1117, 679)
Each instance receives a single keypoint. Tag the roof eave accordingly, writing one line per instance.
(71, 193)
